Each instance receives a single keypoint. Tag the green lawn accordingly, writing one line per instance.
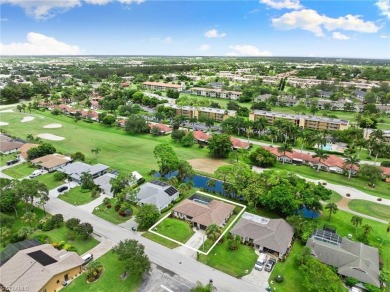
(59, 234)
(370, 208)
(234, 263)
(292, 276)
(77, 196)
(160, 240)
(176, 229)
(5, 158)
(109, 214)
(334, 197)
(110, 279)
(382, 189)
(119, 149)
(49, 181)
(20, 171)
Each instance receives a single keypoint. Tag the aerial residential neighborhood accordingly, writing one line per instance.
(195, 146)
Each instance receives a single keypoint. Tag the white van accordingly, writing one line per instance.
(36, 173)
(261, 262)
(87, 258)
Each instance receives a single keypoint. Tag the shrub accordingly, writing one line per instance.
(6, 220)
(72, 223)
(84, 230)
(16, 237)
(117, 207)
(385, 163)
(349, 281)
(48, 225)
(108, 206)
(106, 201)
(279, 278)
(57, 220)
(71, 235)
(67, 246)
(58, 176)
(61, 244)
(42, 238)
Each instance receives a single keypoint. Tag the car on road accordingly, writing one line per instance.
(269, 265)
(62, 188)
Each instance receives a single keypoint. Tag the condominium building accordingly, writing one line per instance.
(217, 93)
(216, 114)
(162, 86)
(305, 122)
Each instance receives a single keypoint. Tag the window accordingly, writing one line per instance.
(58, 281)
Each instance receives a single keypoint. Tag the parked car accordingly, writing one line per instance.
(260, 262)
(36, 173)
(11, 162)
(87, 258)
(270, 264)
(61, 189)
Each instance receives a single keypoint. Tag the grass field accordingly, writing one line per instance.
(232, 262)
(77, 196)
(59, 234)
(370, 208)
(334, 197)
(382, 189)
(110, 279)
(109, 214)
(5, 158)
(20, 170)
(160, 240)
(176, 229)
(49, 181)
(119, 149)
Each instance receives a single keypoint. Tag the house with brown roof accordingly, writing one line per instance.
(52, 162)
(23, 150)
(40, 268)
(238, 144)
(203, 213)
(201, 137)
(163, 129)
(7, 147)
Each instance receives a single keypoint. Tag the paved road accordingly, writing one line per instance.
(169, 259)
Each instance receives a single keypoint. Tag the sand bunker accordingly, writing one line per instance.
(208, 165)
(4, 124)
(27, 119)
(52, 126)
(51, 137)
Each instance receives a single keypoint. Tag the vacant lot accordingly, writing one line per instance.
(206, 165)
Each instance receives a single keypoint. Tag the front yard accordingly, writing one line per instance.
(176, 229)
(110, 279)
(110, 214)
(20, 171)
(49, 181)
(236, 263)
(160, 240)
(7, 157)
(77, 196)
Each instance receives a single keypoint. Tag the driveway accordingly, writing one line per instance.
(104, 246)
(259, 278)
(195, 242)
(129, 224)
(55, 193)
(92, 205)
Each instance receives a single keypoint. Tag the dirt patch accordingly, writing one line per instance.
(344, 203)
(208, 165)
(4, 124)
(27, 119)
(53, 126)
(51, 137)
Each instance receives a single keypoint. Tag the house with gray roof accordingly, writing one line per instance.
(75, 169)
(157, 193)
(352, 259)
(103, 182)
(270, 235)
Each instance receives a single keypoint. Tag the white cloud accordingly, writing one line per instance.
(42, 9)
(213, 33)
(3, 19)
(339, 36)
(384, 36)
(247, 50)
(282, 4)
(308, 19)
(204, 48)
(384, 7)
(39, 44)
(168, 40)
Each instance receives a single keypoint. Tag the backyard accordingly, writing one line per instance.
(176, 229)
(370, 208)
(77, 196)
(20, 170)
(110, 278)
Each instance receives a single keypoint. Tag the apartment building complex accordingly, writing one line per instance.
(217, 93)
(304, 122)
(162, 86)
(216, 114)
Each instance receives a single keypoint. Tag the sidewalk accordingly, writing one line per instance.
(92, 205)
(103, 247)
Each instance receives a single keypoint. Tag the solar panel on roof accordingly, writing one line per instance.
(171, 191)
(327, 236)
(43, 258)
(159, 183)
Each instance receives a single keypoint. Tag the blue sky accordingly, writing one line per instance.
(358, 29)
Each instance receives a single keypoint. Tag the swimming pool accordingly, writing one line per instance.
(327, 147)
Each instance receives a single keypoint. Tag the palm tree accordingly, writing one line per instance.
(211, 183)
(259, 125)
(213, 231)
(360, 143)
(96, 151)
(366, 229)
(351, 161)
(29, 218)
(273, 132)
(285, 147)
(321, 154)
(356, 221)
(378, 148)
(332, 207)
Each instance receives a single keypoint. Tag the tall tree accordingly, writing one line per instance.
(366, 229)
(371, 172)
(146, 216)
(220, 145)
(350, 162)
(166, 159)
(124, 179)
(285, 147)
(29, 218)
(332, 208)
(321, 154)
(356, 221)
(86, 180)
(184, 171)
(96, 151)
